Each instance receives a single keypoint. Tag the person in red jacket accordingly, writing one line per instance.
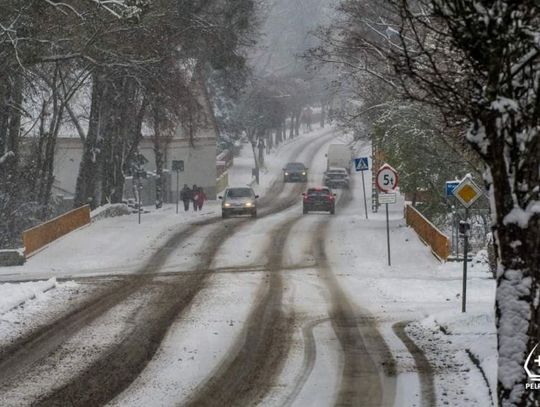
(199, 197)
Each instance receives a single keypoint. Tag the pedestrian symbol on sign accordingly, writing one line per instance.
(361, 164)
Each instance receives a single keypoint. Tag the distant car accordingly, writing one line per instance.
(336, 177)
(295, 172)
(239, 201)
(319, 199)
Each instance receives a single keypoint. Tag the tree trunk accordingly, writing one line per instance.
(517, 238)
(14, 120)
(158, 154)
(291, 130)
(88, 170)
(47, 169)
(323, 113)
(4, 113)
(297, 122)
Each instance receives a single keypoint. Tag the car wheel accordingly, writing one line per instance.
(224, 214)
(332, 211)
(254, 214)
(304, 210)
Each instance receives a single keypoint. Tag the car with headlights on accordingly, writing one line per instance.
(295, 172)
(319, 199)
(336, 177)
(239, 201)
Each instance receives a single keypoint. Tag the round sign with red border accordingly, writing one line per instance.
(387, 178)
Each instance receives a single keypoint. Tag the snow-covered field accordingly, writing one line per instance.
(416, 298)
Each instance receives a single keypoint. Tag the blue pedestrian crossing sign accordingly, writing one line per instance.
(449, 188)
(361, 164)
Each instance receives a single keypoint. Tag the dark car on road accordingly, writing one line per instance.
(336, 177)
(295, 172)
(239, 201)
(319, 199)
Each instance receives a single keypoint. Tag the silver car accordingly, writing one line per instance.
(336, 177)
(239, 201)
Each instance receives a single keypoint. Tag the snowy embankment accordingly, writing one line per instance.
(14, 295)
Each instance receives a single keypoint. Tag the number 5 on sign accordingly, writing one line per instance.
(387, 178)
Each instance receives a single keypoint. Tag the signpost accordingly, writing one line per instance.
(362, 164)
(466, 192)
(178, 166)
(387, 182)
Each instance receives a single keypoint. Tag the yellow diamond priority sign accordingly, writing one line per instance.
(467, 192)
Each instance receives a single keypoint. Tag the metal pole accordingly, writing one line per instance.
(453, 232)
(364, 189)
(465, 254)
(139, 202)
(457, 237)
(388, 235)
(177, 187)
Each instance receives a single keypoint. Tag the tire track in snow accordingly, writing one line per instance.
(259, 354)
(308, 362)
(362, 380)
(423, 367)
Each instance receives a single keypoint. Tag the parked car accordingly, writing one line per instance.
(239, 201)
(319, 199)
(336, 177)
(295, 172)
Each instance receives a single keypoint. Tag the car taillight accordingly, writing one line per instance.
(331, 197)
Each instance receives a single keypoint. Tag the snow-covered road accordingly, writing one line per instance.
(285, 310)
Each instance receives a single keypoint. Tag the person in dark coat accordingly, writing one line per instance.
(194, 196)
(186, 195)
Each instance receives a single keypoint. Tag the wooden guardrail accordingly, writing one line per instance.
(433, 237)
(41, 235)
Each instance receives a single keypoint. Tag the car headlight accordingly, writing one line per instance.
(226, 205)
(248, 204)
(286, 173)
(303, 173)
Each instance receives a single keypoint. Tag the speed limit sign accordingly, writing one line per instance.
(387, 178)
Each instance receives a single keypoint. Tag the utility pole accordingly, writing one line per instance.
(388, 235)
(465, 227)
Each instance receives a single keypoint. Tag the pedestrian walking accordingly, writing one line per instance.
(186, 195)
(200, 197)
(194, 190)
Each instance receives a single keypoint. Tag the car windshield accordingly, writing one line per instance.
(239, 193)
(318, 192)
(295, 167)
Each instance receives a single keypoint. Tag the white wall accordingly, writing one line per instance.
(67, 160)
(199, 162)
